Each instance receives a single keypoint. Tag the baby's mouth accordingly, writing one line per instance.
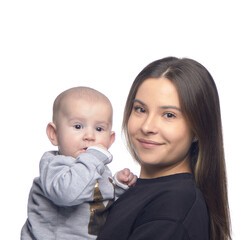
(83, 149)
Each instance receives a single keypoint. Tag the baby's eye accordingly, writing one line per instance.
(99, 129)
(78, 126)
(139, 109)
(169, 115)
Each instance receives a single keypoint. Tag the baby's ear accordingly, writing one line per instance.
(51, 133)
(112, 138)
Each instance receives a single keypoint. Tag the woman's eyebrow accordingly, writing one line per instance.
(171, 107)
(138, 101)
(163, 107)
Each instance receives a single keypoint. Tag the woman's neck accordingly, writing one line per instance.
(152, 171)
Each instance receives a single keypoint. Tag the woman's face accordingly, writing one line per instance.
(158, 131)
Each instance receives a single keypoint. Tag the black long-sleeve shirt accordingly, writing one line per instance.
(164, 208)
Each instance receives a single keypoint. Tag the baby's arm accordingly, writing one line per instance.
(68, 181)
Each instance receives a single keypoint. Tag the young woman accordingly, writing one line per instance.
(173, 128)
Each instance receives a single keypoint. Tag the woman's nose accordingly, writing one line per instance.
(149, 126)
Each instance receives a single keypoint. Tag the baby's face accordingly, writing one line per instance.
(83, 123)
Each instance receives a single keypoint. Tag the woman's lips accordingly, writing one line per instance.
(148, 143)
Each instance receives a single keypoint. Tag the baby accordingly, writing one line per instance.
(75, 187)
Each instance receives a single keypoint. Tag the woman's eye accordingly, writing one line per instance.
(169, 115)
(78, 126)
(139, 109)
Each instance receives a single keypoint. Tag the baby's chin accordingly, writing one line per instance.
(83, 150)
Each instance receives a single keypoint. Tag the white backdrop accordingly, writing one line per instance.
(49, 46)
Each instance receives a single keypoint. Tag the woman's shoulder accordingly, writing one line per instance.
(176, 204)
(173, 197)
(174, 186)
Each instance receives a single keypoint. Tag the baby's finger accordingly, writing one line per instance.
(126, 172)
(132, 180)
(123, 175)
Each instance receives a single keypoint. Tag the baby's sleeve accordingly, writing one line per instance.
(120, 188)
(67, 181)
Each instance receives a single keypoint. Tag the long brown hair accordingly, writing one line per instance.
(200, 105)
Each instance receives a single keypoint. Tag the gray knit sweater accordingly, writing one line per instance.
(69, 199)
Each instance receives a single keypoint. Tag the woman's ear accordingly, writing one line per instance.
(195, 139)
(51, 133)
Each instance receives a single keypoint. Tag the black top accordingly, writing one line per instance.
(169, 207)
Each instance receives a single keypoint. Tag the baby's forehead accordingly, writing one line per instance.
(88, 96)
(76, 104)
(85, 110)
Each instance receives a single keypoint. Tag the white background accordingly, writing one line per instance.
(49, 46)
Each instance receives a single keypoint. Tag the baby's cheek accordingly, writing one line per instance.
(106, 142)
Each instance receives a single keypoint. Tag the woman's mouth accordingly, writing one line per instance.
(148, 143)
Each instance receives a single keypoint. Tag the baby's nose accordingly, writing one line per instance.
(89, 135)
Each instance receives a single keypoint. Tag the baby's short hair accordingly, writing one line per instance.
(88, 93)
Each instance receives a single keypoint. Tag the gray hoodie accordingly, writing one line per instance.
(69, 199)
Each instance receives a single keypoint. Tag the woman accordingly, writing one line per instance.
(173, 128)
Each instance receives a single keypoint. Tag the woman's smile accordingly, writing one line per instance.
(148, 144)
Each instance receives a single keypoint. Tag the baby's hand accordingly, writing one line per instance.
(101, 146)
(125, 176)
